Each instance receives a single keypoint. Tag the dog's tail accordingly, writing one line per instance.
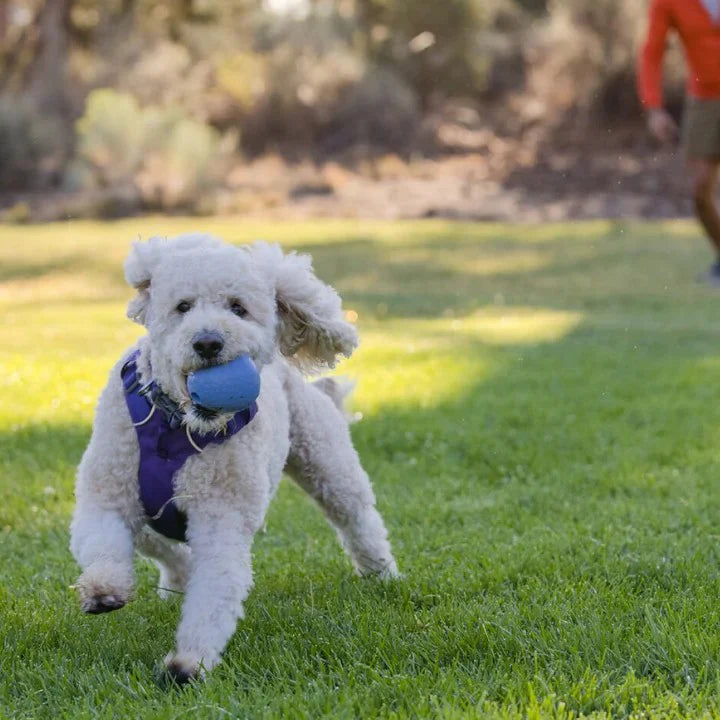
(338, 389)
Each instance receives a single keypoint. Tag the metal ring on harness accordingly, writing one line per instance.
(150, 414)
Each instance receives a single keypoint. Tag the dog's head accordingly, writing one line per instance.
(205, 303)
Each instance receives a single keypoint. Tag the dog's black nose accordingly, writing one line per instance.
(208, 344)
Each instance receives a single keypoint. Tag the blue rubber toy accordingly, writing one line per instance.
(231, 387)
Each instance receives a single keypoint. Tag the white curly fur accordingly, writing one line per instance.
(293, 323)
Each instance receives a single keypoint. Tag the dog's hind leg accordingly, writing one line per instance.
(171, 558)
(324, 462)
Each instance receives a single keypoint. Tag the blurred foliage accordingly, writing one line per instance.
(301, 77)
(163, 155)
(380, 110)
(435, 46)
(28, 145)
(242, 76)
(111, 136)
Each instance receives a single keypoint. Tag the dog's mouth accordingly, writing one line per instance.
(198, 417)
(204, 420)
(206, 414)
(184, 389)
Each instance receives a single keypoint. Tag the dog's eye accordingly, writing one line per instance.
(238, 308)
(183, 306)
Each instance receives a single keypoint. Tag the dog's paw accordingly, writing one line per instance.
(101, 604)
(181, 671)
(382, 569)
(103, 588)
(389, 572)
(176, 674)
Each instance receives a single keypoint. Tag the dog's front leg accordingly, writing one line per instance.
(220, 579)
(102, 544)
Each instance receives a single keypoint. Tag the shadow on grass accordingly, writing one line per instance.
(462, 267)
(441, 267)
(37, 470)
(10, 271)
(42, 446)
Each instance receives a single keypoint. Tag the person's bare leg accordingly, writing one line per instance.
(703, 175)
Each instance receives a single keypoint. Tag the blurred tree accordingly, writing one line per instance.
(316, 77)
(433, 45)
(46, 84)
(4, 22)
(536, 7)
(19, 38)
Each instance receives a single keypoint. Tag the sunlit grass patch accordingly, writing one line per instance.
(434, 361)
(516, 326)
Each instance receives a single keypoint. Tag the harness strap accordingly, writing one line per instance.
(165, 445)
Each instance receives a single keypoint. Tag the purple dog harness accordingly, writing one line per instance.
(165, 445)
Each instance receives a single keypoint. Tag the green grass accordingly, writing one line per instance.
(541, 420)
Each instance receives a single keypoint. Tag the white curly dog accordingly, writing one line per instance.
(251, 300)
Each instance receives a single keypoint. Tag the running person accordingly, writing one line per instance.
(697, 22)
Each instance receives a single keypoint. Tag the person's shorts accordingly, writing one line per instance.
(701, 128)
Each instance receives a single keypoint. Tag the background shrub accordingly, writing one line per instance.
(167, 157)
(29, 153)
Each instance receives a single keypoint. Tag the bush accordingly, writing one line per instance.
(28, 146)
(301, 90)
(381, 110)
(111, 136)
(182, 158)
(168, 157)
(434, 46)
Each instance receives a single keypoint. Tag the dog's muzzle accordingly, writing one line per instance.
(208, 344)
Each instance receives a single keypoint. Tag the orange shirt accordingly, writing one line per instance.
(700, 36)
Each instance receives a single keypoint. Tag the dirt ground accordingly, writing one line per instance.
(497, 179)
(499, 184)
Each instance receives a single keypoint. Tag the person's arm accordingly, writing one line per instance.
(651, 56)
(660, 122)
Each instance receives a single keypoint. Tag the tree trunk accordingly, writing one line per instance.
(4, 22)
(46, 84)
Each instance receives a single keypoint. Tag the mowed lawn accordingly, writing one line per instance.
(541, 419)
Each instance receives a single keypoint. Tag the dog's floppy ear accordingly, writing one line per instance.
(311, 331)
(138, 272)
